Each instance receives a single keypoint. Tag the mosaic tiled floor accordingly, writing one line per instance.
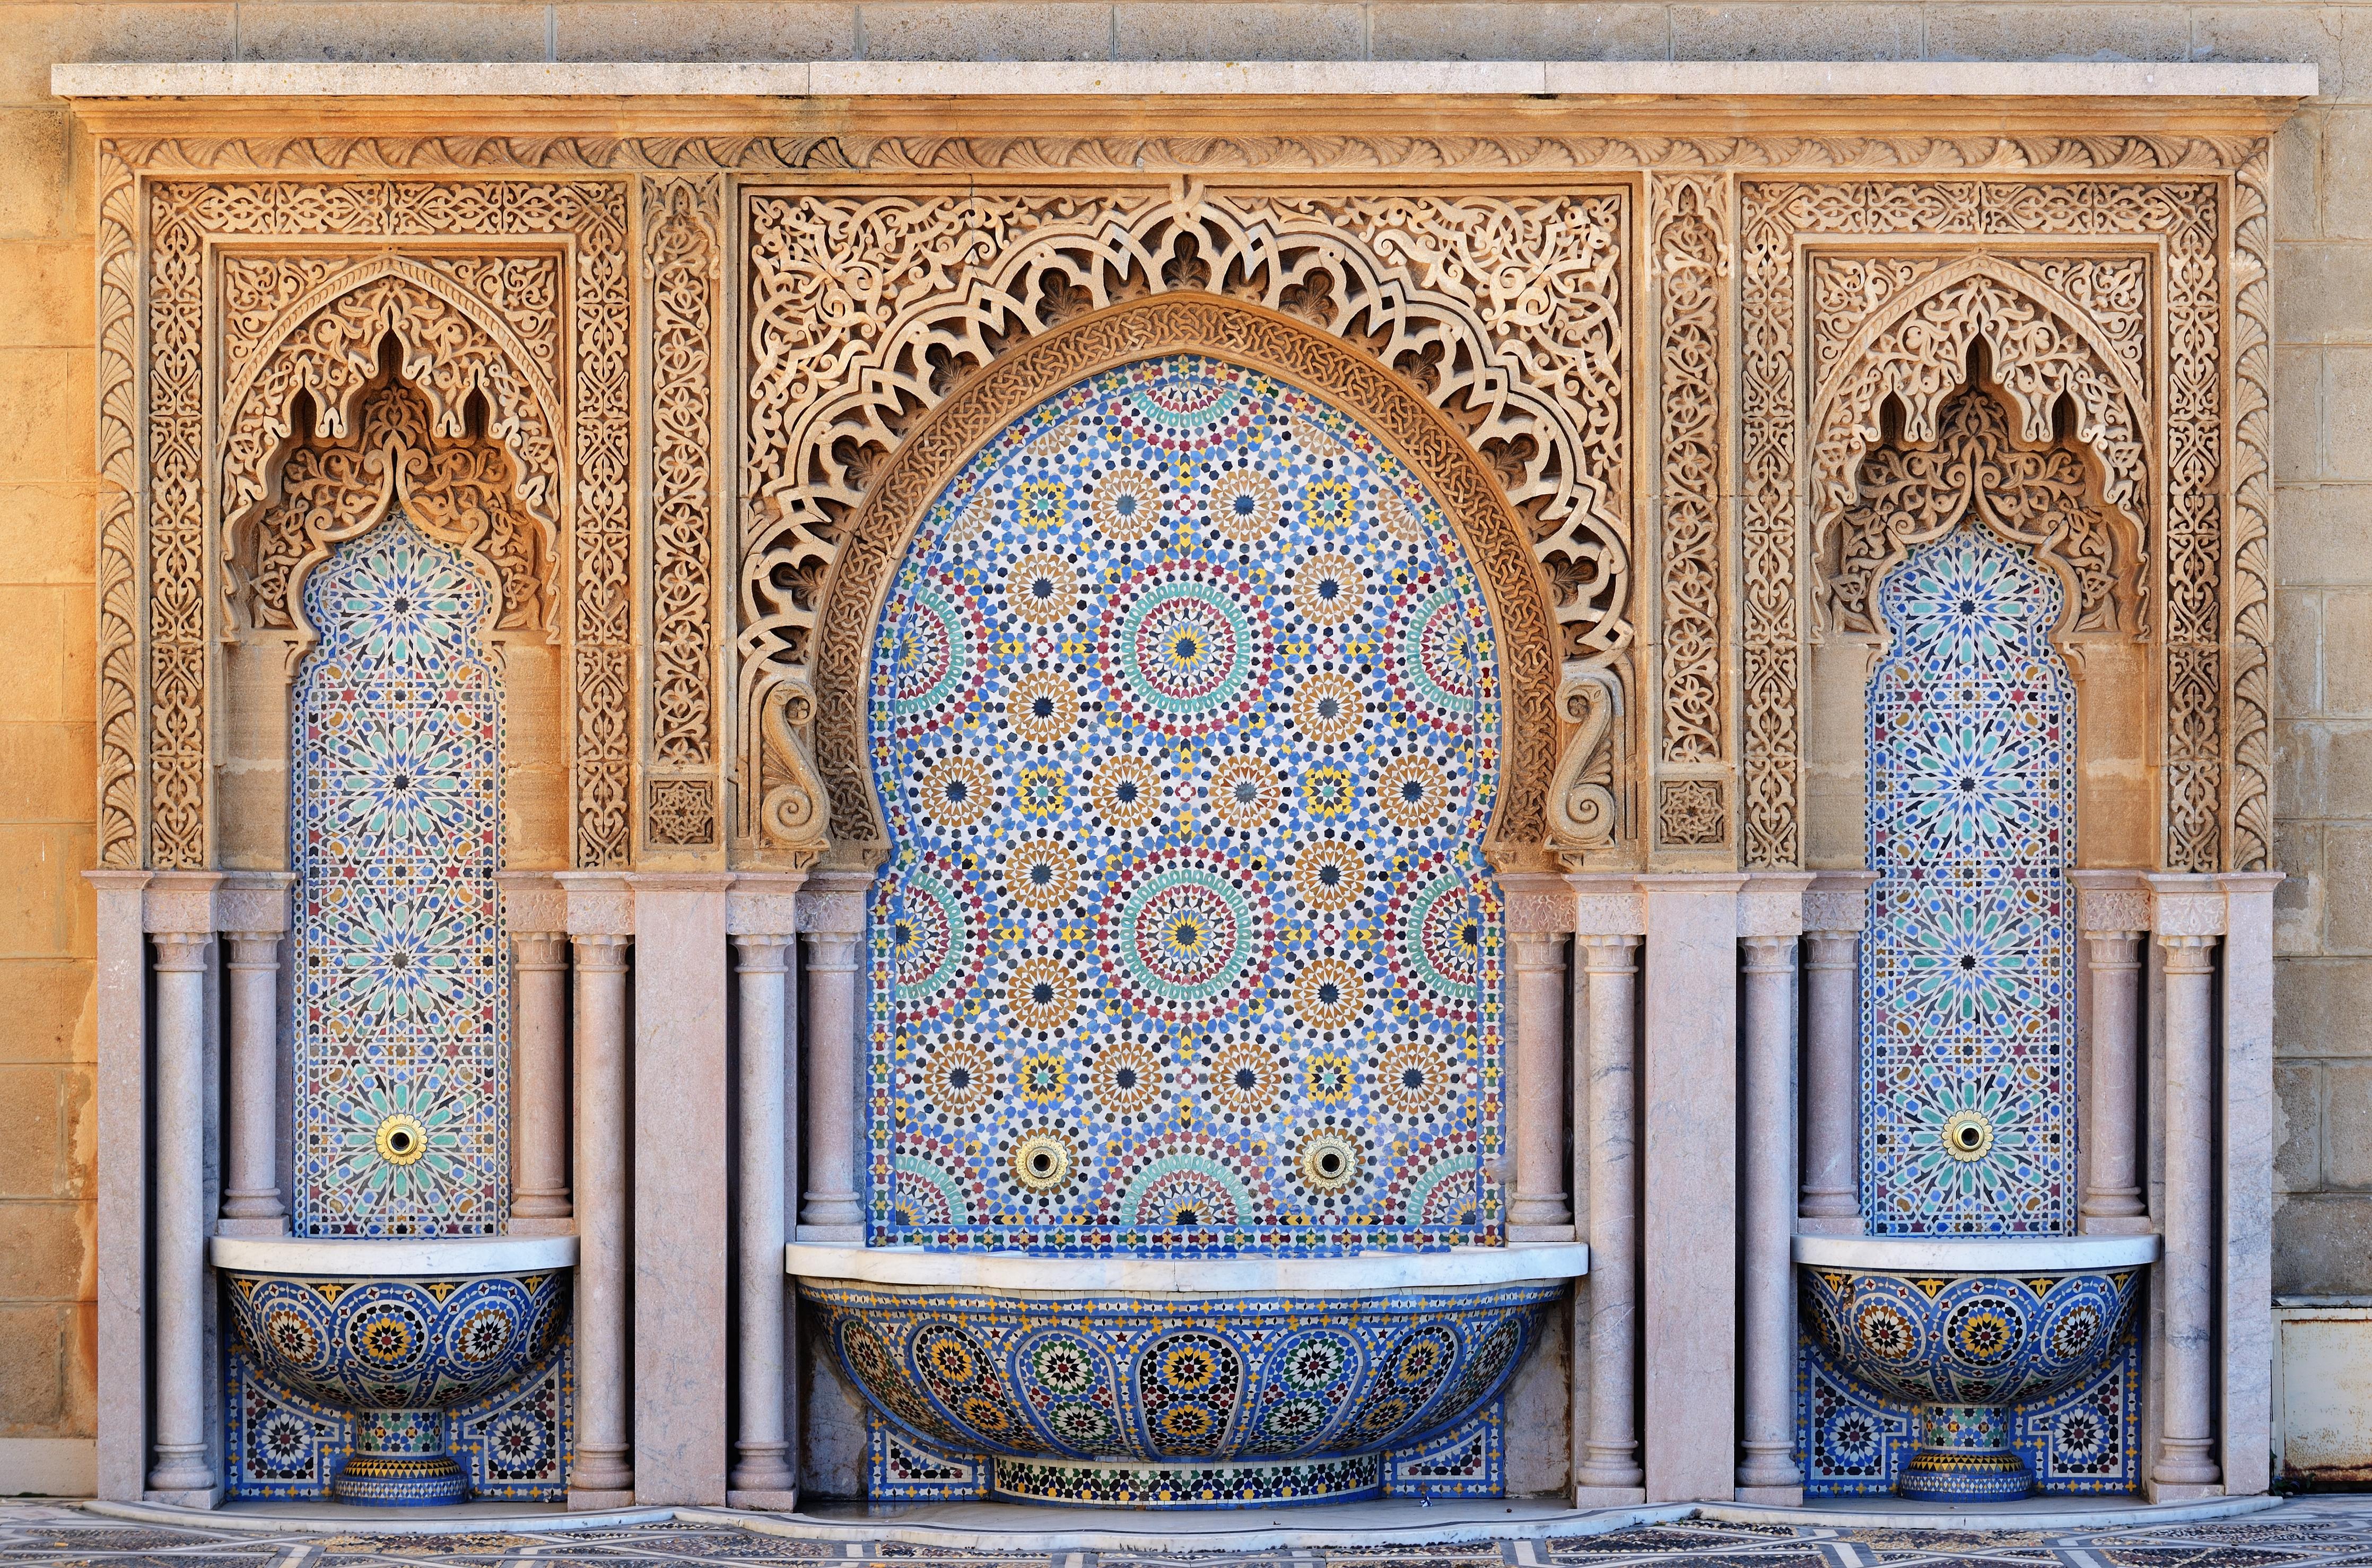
(2303, 1533)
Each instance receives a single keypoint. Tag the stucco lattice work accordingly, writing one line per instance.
(1967, 965)
(1185, 719)
(402, 1038)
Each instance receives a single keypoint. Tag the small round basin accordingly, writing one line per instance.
(1966, 1329)
(1181, 1382)
(399, 1332)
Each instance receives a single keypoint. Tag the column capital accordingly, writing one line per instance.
(1607, 903)
(601, 951)
(254, 901)
(2111, 900)
(2189, 952)
(534, 903)
(180, 902)
(1769, 954)
(598, 903)
(1539, 903)
(1771, 903)
(1837, 903)
(764, 903)
(833, 903)
(764, 952)
(2185, 904)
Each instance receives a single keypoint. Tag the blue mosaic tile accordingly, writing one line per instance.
(402, 1012)
(1185, 725)
(1968, 964)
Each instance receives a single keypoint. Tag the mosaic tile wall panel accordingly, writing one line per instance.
(1967, 965)
(514, 1445)
(1852, 1441)
(402, 988)
(1185, 719)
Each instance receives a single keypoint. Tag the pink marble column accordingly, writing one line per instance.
(2186, 1439)
(603, 1474)
(761, 916)
(832, 920)
(183, 1469)
(1608, 1470)
(1835, 910)
(2113, 914)
(251, 1204)
(1539, 914)
(539, 1081)
(1766, 1471)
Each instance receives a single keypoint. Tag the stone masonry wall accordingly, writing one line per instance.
(2324, 469)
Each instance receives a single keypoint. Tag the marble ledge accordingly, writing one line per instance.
(1950, 79)
(399, 1257)
(1460, 1266)
(1962, 1255)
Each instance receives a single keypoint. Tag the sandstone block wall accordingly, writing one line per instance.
(2324, 466)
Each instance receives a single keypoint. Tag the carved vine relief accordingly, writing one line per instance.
(501, 265)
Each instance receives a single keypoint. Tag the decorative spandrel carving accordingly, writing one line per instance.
(2084, 325)
(459, 491)
(548, 360)
(2041, 499)
(866, 312)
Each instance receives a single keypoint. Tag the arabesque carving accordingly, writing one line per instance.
(865, 312)
(2042, 299)
(1584, 813)
(1688, 221)
(1489, 527)
(460, 492)
(2042, 499)
(795, 808)
(471, 328)
(681, 224)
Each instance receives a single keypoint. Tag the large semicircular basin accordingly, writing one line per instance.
(1181, 1382)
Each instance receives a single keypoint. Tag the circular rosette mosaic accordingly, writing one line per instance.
(1185, 648)
(1176, 1378)
(1185, 935)
(396, 1344)
(1986, 1339)
(1185, 720)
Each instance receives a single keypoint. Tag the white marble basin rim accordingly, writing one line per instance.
(448, 1257)
(1974, 1255)
(1458, 1267)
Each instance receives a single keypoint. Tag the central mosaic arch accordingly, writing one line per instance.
(1184, 719)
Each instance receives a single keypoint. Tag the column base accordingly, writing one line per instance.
(2114, 1224)
(1831, 1225)
(276, 1225)
(1609, 1496)
(563, 1226)
(832, 1231)
(195, 1497)
(1773, 1496)
(589, 1499)
(2181, 1491)
(1540, 1233)
(763, 1502)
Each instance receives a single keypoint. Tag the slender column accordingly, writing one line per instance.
(253, 1192)
(1537, 1210)
(1766, 1471)
(1832, 1194)
(2244, 1387)
(761, 1471)
(2185, 1456)
(831, 919)
(540, 1077)
(182, 1463)
(2113, 1187)
(1611, 1457)
(603, 1474)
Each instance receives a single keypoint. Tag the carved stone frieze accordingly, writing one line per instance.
(683, 220)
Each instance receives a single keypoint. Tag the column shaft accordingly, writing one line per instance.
(1766, 1466)
(832, 1211)
(2184, 1455)
(1538, 1210)
(602, 1475)
(252, 1190)
(182, 1463)
(762, 1470)
(1611, 1457)
(1832, 1194)
(2112, 1188)
(540, 1078)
